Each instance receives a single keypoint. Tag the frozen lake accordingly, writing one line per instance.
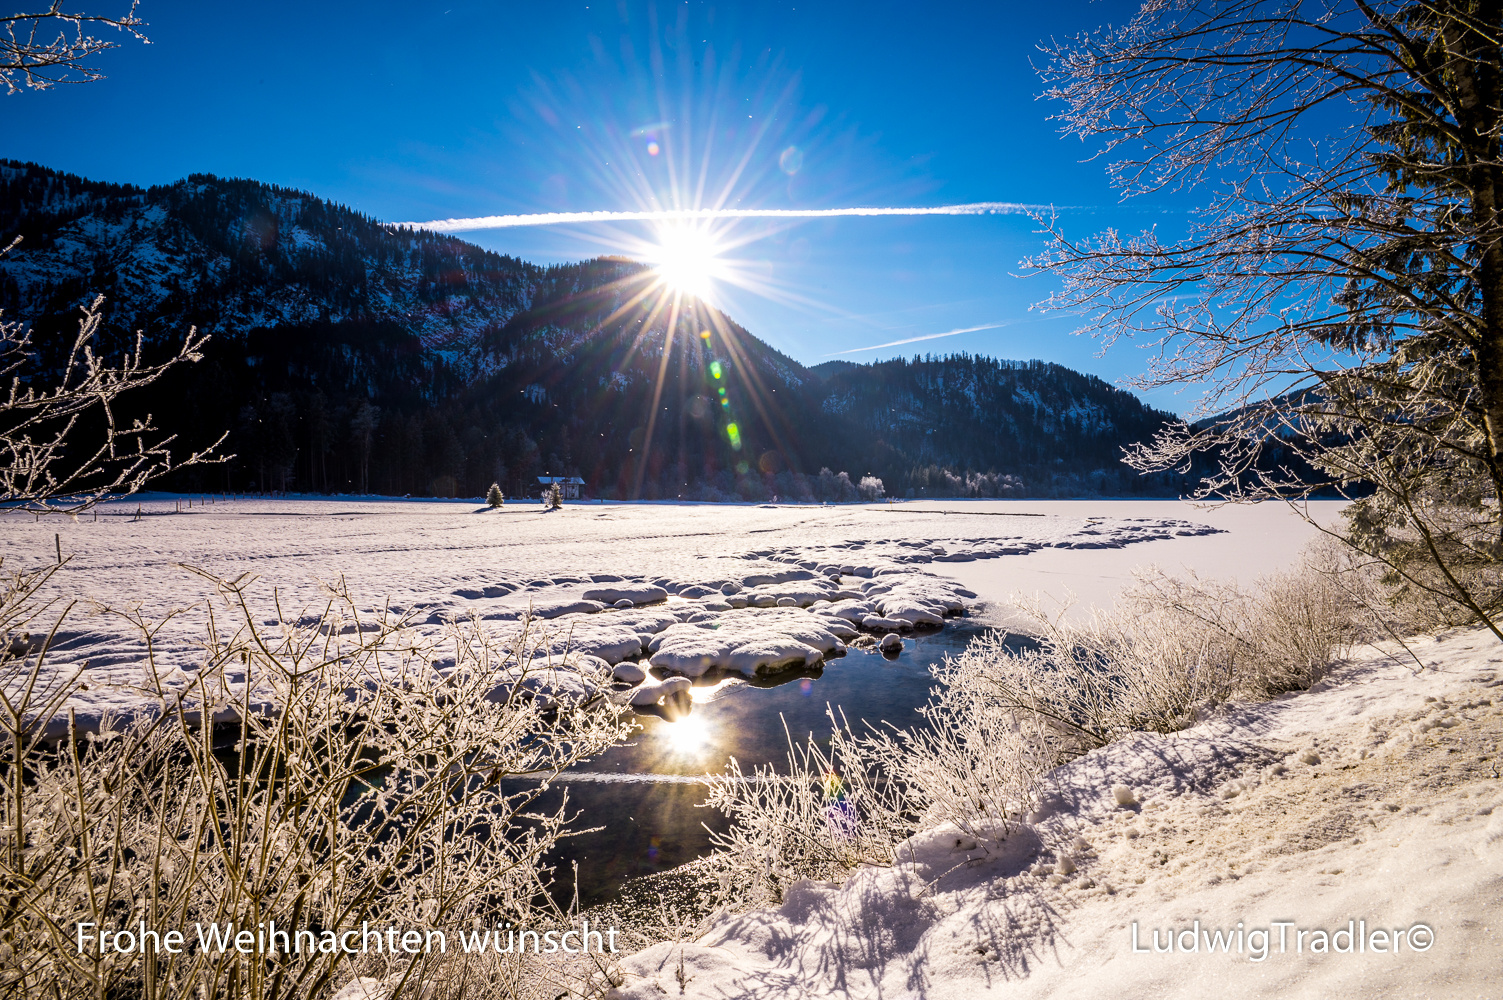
(438, 560)
(415, 549)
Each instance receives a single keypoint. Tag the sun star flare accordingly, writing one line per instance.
(687, 260)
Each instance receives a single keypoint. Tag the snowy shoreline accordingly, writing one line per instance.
(1372, 799)
(706, 595)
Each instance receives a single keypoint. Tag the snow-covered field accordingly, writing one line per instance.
(686, 588)
(1368, 800)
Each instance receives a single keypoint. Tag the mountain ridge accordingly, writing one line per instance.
(352, 354)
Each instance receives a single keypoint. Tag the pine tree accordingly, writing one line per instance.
(494, 496)
(555, 497)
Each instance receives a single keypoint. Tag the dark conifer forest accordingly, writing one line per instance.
(352, 356)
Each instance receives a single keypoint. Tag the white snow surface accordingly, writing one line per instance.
(1373, 801)
(689, 588)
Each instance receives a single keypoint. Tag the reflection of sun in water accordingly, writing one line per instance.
(688, 734)
(703, 694)
(686, 259)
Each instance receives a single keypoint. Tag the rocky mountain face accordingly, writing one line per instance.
(350, 355)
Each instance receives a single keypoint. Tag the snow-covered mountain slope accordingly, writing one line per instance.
(977, 413)
(230, 256)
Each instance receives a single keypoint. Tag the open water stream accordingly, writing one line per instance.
(645, 794)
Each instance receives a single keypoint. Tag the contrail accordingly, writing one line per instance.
(692, 214)
(915, 340)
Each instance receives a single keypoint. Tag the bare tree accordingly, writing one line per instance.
(51, 47)
(42, 466)
(1339, 296)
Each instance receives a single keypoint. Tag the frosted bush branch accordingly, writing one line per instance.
(329, 770)
(51, 47)
(43, 416)
(833, 810)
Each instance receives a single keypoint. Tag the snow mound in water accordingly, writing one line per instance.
(644, 593)
(653, 691)
(746, 642)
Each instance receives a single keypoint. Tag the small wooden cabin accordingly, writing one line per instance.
(569, 486)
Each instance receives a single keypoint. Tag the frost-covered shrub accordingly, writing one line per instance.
(1000, 716)
(494, 497)
(793, 486)
(1173, 649)
(870, 488)
(1285, 633)
(369, 776)
(554, 498)
(937, 481)
(836, 487)
(1090, 683)
(975, 762)
(825, 487)
(830, 810)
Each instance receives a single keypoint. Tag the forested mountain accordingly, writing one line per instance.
(349, 355)
(964, 425)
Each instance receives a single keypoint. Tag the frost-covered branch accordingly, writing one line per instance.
(1338, 299)
(53, 46)
(44, 415)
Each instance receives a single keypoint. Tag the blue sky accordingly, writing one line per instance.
(416, 112)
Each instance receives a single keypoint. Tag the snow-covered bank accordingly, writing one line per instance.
(685, 589)
(1372, 802)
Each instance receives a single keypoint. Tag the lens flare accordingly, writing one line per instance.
(841, 817)
(834, 785)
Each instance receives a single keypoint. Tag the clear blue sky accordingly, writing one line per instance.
(412, 112)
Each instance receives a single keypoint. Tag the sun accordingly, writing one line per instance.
(687, 259)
